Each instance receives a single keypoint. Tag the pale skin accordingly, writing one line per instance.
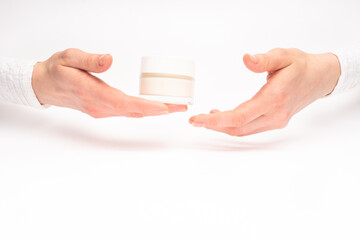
(65, 80)
(295, 79)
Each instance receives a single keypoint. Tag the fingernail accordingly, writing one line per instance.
(198, 124)
(253, 58)
(102, 60)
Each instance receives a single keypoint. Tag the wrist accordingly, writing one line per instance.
(332, 70)
(36, 81)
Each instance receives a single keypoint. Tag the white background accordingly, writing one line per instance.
(64, 175)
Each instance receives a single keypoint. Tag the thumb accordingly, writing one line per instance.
(271, 61)
(96, 63)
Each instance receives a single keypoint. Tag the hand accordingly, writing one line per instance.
(295, 79)
(64, 80)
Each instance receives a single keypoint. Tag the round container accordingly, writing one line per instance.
(167, 79)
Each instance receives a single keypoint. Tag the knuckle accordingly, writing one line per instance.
(55, 68)
(56, 56)
(67, 54)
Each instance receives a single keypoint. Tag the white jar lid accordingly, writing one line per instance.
(168, 65)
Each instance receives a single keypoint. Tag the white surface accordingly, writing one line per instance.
(64, 175)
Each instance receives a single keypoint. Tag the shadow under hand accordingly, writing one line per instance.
(335, 114)
(241, 144)
(27, 120)
(327, 117)
(91, 139)
(22, 118)
(320, 120)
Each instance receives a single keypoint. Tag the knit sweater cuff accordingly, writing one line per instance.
(15, 83)
(350, 69)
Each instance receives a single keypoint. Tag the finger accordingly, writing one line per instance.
(256, 131)
(144, 107)
(177, 108)
(230, 118)
(243, 114)
(269, 62)
(220, 119)
(117, 103)
(214, 111)
(89, 62)
(260, 124)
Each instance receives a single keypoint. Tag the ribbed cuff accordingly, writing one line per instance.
(27, 90)
(15, 83)
(350, 69)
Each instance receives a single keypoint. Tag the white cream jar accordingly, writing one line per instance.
(167, 79)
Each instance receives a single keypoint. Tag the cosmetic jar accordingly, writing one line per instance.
(167, 79)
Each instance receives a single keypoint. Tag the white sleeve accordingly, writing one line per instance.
(15, 83)
(350, 69)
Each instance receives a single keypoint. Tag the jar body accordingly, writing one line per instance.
(168, 89)
(168, 80)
